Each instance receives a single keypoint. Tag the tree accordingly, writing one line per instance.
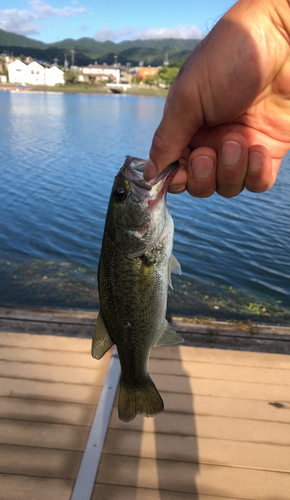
(136, 78)
(151, 80)
(70, 77)
(167, 74)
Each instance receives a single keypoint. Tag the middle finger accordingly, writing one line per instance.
(231, 165)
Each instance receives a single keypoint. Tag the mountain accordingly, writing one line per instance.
(8, 39)
(87, 50)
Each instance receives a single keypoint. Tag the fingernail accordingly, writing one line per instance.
(231, 152)
(202, 166)
(255, 161)
(178, 188)
(150, 170)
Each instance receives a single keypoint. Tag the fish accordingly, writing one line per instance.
(134, 272)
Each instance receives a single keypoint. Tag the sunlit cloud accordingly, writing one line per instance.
(180, 31)
(25, 22)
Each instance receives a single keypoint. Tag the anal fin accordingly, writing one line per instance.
(168, 336)
(101, 340)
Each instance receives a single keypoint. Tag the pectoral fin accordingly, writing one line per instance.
(101, 340)
(173, 267)
(169, 336)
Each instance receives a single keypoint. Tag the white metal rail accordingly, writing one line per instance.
(91, 458)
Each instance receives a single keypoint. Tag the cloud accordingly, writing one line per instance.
(25, 22)
(42, 10)
(18, 21)
(107, 34)
(180, 31)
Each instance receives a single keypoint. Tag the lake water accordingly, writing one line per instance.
(59, 154)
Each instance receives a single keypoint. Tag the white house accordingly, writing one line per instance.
(34, 73)
(98, 71)
(17, 71)
(54, 76)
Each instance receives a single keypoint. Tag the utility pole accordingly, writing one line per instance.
(65, 62)
(72, 57)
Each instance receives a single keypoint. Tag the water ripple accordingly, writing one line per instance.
(57, 167)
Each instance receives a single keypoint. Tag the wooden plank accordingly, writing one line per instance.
(39, 462)
(222, 388)
(49, 357)
(184, 353)
(51, 373)
(270, 410)
(194, 478)
(14, 487)
(48, 342)
(56, 329)
(222, 356)
(208, 426)
(236, 343)
(48, 316)
(116, 492)
(44, 435)
(216, 328)
(46, 411)
(197, 449)
(50, 391)
(219, 371)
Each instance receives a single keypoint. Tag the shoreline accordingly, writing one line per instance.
(144, 91)
(78, 323)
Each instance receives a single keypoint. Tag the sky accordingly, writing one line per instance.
(54, 20)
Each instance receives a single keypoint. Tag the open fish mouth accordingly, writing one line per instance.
(158, 186)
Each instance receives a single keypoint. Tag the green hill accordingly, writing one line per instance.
(8, 39)
(87, 50)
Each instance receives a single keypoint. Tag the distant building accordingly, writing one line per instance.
(145, 72)
(34, 73)
(54, 76)
(17, 71)
(28, 60)
(99, 72)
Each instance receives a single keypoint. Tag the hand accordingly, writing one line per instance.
(227, 114)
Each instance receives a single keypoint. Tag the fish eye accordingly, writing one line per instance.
(120, 193)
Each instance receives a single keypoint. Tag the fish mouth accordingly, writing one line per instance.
(157, 186)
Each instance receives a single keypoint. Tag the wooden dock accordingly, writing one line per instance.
(224, 434)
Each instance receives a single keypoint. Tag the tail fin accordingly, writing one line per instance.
(143, 400)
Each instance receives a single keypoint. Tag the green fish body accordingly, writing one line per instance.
(133, 276)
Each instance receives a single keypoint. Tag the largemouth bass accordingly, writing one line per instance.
(133, 275)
